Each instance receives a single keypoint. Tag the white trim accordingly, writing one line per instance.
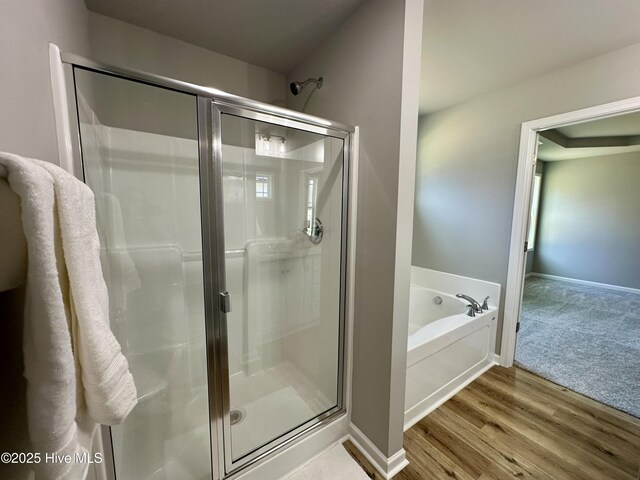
(386, 466)
(528, 275)
(396, 463)
(351, 267)
(586, 282)
(61, 109)
(428, 405)
(521, 206)
(407, 157)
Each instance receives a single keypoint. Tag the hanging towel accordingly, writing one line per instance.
(13, 254)
(76, 374)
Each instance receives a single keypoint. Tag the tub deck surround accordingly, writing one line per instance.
(452, 284)
(447, 349)
(427, 305)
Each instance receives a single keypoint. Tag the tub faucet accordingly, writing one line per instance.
(485, 304)
(477, 308)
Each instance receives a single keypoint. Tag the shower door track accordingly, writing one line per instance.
(211, 104)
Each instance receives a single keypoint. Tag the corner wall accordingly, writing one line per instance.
(467, 158)
(589, 227)
(27, 125)
(125, 45)
(370, 66)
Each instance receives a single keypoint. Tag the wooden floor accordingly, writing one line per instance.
(512, 424)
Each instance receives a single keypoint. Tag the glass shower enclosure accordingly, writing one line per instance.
(223, 230)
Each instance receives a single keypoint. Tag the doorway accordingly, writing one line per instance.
(572, 290)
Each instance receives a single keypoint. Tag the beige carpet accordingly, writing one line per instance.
(334, 464)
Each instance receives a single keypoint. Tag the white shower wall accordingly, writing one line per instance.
(280, 317)
(149, 184)
(164, 226)
(146, 188)
(283, 347)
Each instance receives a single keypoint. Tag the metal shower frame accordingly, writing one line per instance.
(211, 105)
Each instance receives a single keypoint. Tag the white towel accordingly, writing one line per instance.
(13, 254)
(76, 374)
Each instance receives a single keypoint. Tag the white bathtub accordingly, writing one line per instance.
(447, 349)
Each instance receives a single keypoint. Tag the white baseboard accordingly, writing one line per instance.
(428, 405)
(586, 282)
(386, 466)
(528, 275)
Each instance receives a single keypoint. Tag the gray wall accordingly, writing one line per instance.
(467, 157)
(590, 223)
(26, 27)
(529, 264)
(125, 45)
(111, 43)
(27, 127)
(362, 66)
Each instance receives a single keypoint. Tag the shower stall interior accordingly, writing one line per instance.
(223, 230)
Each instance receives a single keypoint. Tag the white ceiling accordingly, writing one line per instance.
(273, 34)
(472, 47)
(618, 126)
(469, 47)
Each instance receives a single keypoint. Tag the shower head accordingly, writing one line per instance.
(297, 87)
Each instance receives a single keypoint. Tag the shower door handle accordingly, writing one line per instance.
(225, 302)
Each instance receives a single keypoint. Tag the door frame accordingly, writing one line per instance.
(522, 206)
(213, 237)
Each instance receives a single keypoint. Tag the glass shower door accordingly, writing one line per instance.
(282, 189)
(141, 159)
